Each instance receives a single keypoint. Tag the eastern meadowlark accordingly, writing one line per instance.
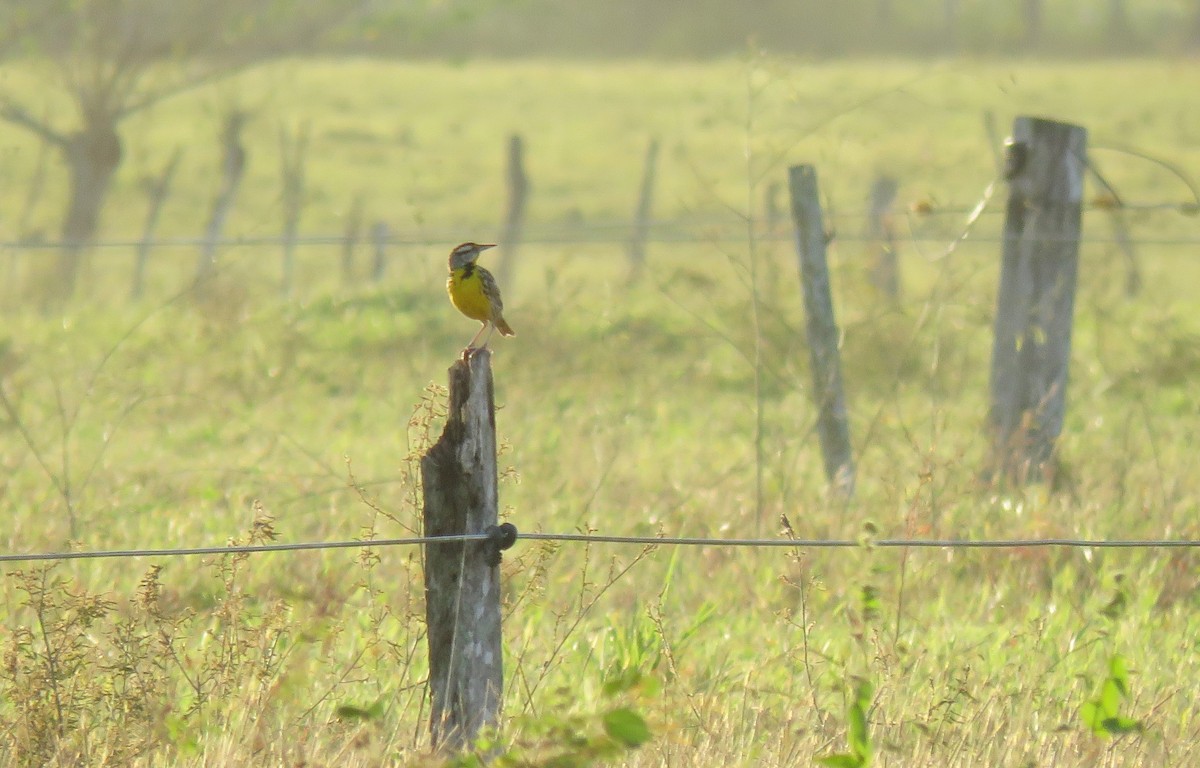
(474, 291)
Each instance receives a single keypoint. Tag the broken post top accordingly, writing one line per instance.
(471, 388)
(1045, 160)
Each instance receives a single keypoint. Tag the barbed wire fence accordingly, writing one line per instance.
(684, 229)
(594, 538)
(616, 233)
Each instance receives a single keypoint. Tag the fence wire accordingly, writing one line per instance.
(592, 538)
(681, 230)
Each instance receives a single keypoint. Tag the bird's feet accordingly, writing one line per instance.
(470, 352)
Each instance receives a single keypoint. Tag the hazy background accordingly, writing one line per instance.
(704, 28)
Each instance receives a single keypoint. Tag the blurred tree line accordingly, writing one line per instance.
(704, 28)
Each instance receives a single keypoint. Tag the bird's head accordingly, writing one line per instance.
(467, 253)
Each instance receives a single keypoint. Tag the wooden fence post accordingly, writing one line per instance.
(233, 166)
(514, 217)
(462, 579)
(832, 420)
(881, 231)
(380, 235)
(1036, 298)
(641, 217)
(353, 233)
(157, 189)
(292, 155)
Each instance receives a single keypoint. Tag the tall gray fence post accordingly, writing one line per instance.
(832, 419)
(157, 190)
(233, 167)
(885, 274)
(462, 579)
(1045, 168)
(641, 217)
(514, 217)
(381, 235)
(293, 150)
(353, 233)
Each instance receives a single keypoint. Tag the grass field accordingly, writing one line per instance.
(187, 420)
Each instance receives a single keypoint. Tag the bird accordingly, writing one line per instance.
(474, 292)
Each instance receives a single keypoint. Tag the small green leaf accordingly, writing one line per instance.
(1102, 714)
(1093, 718)
(860, 739)
(870, 603)
(859, 736)
(1118, 670)
(863, 693)
(1110, 697)
(627, 727)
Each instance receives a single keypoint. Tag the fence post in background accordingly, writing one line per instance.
(1036, 298)
(641, 217)
(514, 218)
(158, 189)
(350, 238)
(381, 234)
(881, 231)
(832, 419)
(292, 152)
(462, 579)
(233, 166)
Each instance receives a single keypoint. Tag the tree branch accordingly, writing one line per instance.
(17, 115)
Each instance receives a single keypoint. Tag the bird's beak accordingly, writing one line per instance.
(486, 246)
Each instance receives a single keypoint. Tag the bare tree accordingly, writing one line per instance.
(115, 58)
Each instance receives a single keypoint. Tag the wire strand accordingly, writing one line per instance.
(664, 231)
(592, 538)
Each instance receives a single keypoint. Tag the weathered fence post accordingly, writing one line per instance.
(832, 420)
(514, 217)
(881, 231)
(157, 189)
(233, 166)
(1036, 298)
(462, 579)
(292, 155)
(641, 217)
(381, 235)
(353, 232)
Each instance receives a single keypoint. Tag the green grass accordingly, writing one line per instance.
(629, 409)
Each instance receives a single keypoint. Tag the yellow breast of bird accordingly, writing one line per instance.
(466, 293)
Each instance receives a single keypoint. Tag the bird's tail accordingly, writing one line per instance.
(504, 328)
